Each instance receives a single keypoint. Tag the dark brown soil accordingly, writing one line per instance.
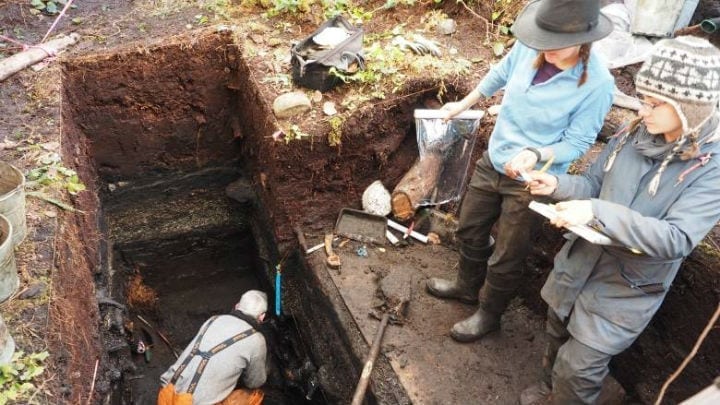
(132, 101)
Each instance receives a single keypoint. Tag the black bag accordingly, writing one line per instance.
(311, 62)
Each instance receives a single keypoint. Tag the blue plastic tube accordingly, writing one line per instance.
(278, 290)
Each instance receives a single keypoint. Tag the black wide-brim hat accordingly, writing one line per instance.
(556, 24)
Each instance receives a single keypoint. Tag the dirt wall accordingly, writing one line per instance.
(78, 246)
(148, 111)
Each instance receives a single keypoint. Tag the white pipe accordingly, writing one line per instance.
(392, 238)
(394, 225)
(465, 115)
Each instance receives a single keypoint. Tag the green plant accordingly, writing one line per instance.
(335, 134)
(295, 133)
(51, 173)
(218, 7)
(201, 19)
(289, 6)
(16, 377)
(501, 19)
(51, 7)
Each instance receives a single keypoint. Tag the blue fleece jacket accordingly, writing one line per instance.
(556, 113)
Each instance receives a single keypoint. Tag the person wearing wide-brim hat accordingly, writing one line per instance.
(653, 191)
(557, 93)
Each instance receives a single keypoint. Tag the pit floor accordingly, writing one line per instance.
(433, 368)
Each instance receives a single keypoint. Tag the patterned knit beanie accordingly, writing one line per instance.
(684, 72)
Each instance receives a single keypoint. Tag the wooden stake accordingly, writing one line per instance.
(92, 386)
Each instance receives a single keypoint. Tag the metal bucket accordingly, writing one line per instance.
(9, 281)
(7, 344)
(12, 200)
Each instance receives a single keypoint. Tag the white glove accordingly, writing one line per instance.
(573, 212)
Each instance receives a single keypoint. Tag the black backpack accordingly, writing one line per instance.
(311, 62)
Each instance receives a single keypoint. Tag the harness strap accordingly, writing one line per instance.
(206, 355)
(194, 350)
(215, 350)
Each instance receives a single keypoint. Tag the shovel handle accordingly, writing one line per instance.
(369, 362)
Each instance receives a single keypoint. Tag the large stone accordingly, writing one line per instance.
(291, 104)
(447, 26)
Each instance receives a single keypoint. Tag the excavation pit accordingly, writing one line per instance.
(158, 132)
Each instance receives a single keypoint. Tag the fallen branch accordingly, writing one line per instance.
(689, 357)
(487, 23)
(47, 198)
(34, 54)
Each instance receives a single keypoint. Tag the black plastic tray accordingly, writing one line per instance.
(361, 226)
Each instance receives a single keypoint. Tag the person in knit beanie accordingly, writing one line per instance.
(682, 73)
(653, 193)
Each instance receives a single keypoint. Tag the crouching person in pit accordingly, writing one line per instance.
(227, 348)
(653, 191)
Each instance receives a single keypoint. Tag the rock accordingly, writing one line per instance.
(329, 108)
(274, 41)
(291, 104)
(32, 291)
(241, 190)
(447, 26)
(114, 374)
(317, 96)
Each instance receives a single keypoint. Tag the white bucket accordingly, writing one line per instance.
(9, 281)
(12, 200)
(7, 344)
(661, 18)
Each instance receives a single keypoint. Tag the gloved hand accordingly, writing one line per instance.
(522, 162)
(430, 46)
(420, 45)
(573, 212)
(542, 183)
(452, 109)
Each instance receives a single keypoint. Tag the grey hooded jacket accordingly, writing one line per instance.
(609, 292)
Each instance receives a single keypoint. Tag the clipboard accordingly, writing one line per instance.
(586, 232)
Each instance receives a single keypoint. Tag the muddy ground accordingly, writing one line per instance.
(150, 91)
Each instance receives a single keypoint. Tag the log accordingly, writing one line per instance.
(33, 55)
(416, 185)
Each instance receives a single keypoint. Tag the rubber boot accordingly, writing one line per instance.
(539, 393)
(472, 268)
(487, 317)
(536, 394)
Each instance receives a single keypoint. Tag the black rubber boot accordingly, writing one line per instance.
(471, 274)
(486, 319)
(478, 325)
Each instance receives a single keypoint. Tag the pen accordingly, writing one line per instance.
(547, 164)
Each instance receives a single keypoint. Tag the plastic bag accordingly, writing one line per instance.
(453, 143)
